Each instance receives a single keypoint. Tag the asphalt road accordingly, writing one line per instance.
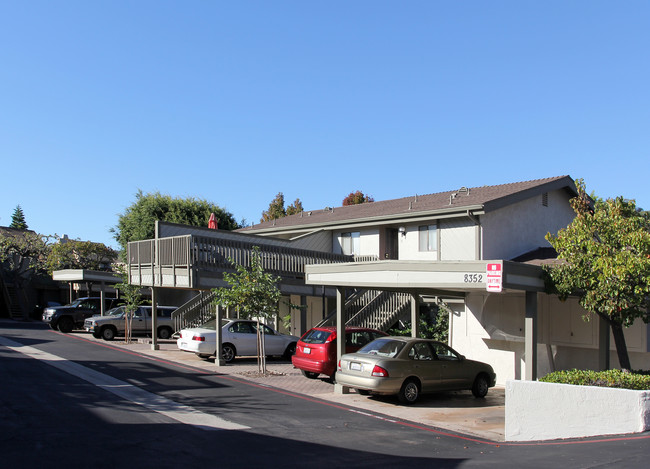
(66, 402)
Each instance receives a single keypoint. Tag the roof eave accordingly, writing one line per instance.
(451, 212)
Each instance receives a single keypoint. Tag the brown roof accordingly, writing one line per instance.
(485, 197)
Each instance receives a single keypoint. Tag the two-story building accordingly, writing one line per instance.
(478, 250)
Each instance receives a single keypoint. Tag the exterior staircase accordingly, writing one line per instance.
(195, 312)
(12, 301)
(373, 309)
(363, 308)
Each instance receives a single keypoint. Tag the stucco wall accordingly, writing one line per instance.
(457, 241)
(519, 228)
(548, 411)
(491, 328)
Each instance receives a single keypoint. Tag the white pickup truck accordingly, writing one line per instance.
(113, 324)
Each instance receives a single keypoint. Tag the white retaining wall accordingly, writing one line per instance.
(549, 411)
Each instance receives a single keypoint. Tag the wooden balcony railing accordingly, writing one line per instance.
(176, 261)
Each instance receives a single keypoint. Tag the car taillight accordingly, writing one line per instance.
(339, 365)
(198, 338)
(379, 371)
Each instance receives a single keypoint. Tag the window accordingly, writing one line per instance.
(428, 238)
(350, 243)
(241, 328)
(445, 353)
(421, 351)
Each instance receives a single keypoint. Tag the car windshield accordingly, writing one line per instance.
(383, 347)
(316, 336)
(114, 311)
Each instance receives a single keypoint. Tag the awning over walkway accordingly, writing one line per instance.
(452, 276)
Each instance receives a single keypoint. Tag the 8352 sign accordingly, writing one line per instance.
(473, 278)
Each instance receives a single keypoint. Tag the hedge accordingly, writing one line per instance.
(638, 380)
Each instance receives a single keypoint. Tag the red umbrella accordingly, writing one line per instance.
(212, 223)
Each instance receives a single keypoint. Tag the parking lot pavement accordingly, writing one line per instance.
(458, 412)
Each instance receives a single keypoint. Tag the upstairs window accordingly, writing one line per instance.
(428, 237)
(350, 243)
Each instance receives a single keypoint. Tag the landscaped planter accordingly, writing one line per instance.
(549, 411)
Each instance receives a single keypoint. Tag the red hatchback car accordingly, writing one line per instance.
(316, 349)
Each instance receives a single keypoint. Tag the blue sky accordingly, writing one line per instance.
(235, 101)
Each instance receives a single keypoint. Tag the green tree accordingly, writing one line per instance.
(138, 220)
(18, 219)
(74, 254)
(295, 207)
(357, 197)
(23, 253)
(606, 262)
(131, 297)
(433, 324)
(254, 293)
(276, 208)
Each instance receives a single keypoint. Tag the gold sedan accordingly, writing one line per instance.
(409, 366)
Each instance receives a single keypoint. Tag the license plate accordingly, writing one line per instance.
(183, 344)
(307, 350)
(355, 366)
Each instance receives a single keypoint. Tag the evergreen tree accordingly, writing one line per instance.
(18, 219)
(276, 208)
(295, 207)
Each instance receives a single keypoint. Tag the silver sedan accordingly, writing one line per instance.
(409, 366)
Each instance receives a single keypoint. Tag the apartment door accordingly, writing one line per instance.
(391, 250)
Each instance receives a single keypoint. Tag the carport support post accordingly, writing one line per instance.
(415, 320)
(340, 336)
(218, 361)
(154, 320)
(101, 299)
(530, 346)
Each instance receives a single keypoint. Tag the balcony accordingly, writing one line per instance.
(197, 262)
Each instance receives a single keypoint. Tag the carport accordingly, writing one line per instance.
(105, 280)
(445, 279)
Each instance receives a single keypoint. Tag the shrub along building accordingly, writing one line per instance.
(477, 250)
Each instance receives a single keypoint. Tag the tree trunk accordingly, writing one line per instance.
(621, 347)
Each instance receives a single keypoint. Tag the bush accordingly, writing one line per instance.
(637, 380)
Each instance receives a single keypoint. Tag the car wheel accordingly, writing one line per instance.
(66, 324)
(164, 333)
(290, 351)
(203, 355)
(108, 333)
(309, 374)
(228, 353)
(332, 378)
(480, 386)
(409, 392)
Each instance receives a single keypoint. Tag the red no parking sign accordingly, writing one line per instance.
(494, 274)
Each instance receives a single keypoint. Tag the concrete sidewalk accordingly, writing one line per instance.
(458, 412)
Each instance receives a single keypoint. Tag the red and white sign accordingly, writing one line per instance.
(494, 274)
